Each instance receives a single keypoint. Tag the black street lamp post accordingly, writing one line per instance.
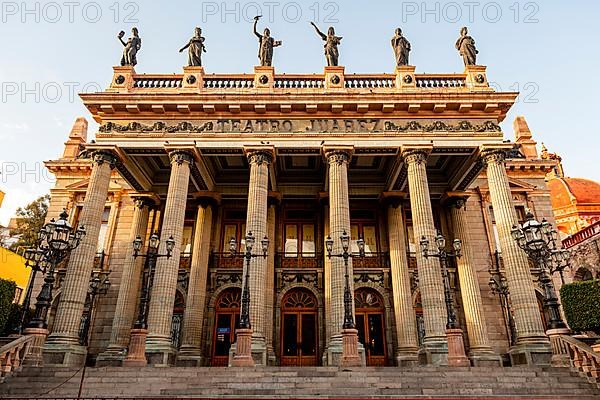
(35, 259)
(346, 255)
(56, 240)
(151, 256)
(538, 240)
(99, 285)
(499, 286)
(443, 255)
(248, 256)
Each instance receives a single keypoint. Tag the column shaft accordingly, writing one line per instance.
(81, 262)
(125, 311)
(193, 317)
(162, 295)
(430, 275)
(522, 292)
(256, 222)
(270, 280)
(469, 285)
(406, 329)
(339, 222)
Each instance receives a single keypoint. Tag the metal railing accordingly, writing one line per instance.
(298, 260)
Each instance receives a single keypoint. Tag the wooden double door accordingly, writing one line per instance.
(299, 327)
(370, 323)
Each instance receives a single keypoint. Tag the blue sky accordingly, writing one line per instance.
(52, 50)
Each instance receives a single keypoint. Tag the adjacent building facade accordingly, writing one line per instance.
(389, 158)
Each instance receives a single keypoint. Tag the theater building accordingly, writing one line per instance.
(388, 158)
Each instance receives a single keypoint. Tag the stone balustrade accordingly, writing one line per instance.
(583, 357)
(13, 354)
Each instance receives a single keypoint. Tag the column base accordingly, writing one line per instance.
(66, 355)
(189, 356)
(332, 356)
(456, 349)
(560, 354)
(34, 357)
(407, 357)
(533, 353)
(243, 349)
(160, 352)
(136, 357)
(258, 349)
(434, 352)
(113, 356)
(485, 358)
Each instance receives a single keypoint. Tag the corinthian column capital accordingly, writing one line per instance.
(181, 156)
(260, 157)
(338, 155)
(493, 156)
(415, 156)
(100, 157)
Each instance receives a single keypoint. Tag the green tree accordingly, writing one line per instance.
(29, 222)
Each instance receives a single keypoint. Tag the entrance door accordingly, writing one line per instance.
(227, 318)
(370, 324)
(299, 340)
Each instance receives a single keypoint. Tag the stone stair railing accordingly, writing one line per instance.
(583, 358)
(13, 354)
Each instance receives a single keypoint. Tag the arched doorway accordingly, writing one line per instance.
(370, 323)
(227, 317)
(299, 341)
(177, 319)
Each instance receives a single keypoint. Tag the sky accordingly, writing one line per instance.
(50, 51)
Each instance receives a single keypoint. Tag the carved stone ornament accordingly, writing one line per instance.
(157, 127)
(191, 79)
(408, 79)
(335, 79)
(293, 278)
(102, 156)
(226, 279)
(415, 157)
(480, 78)
(494, 156)
(338, 157)
(260, 157)
(457, 202)
(181, 156)
(377, 279)
(120, 80)
(263, 79)
(141, 202)
(462, 126)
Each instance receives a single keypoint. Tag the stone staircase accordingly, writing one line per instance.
(308, 382)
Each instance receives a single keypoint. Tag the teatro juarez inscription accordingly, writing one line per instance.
(302, 126)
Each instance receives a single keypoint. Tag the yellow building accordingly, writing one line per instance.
(12, 268)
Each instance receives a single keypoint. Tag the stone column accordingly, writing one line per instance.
(190, 353)
(159, 348)
(532, 345)
(256, 222)
(338, 159)
(435, 346)
(270, 280)
(406, 324)
(481, 352)
(125, 311)
(63, 346)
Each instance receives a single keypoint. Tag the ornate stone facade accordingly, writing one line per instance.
(298, 158)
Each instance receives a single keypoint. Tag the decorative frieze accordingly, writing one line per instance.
(303, 126)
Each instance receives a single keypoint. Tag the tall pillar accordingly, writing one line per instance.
(270, 280)
(338, 159)
(404, 312)
(532, 345)
(159, 348)
(63, 346)
(435, 345)
(481, 352)
(256, 222)
(128, 289)
(190, 353)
